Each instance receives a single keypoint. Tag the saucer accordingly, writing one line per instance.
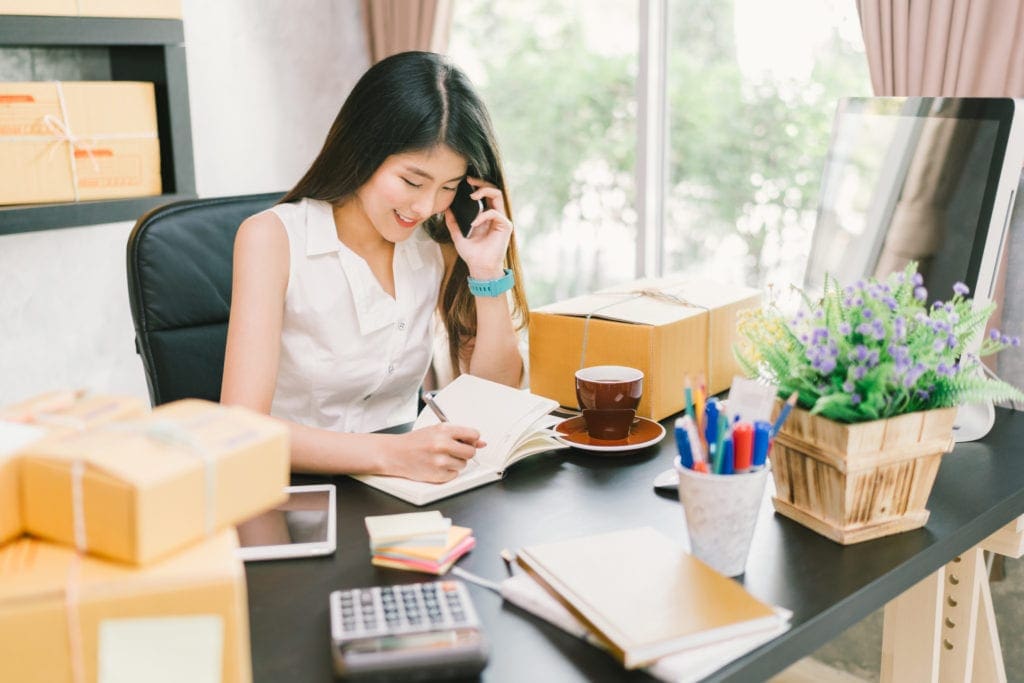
(644, 432)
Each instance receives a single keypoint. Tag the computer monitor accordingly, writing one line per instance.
(919, 178)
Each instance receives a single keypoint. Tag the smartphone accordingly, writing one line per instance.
(465, 208)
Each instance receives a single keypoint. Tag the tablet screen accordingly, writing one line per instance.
(302, 526)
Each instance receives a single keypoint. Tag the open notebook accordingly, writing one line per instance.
(512, 422)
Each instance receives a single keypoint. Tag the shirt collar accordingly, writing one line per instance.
(321, 233)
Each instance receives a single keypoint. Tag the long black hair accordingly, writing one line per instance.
(414, 101)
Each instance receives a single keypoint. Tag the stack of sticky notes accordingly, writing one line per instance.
(417, 541)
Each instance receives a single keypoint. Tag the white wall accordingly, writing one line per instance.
(266, 78)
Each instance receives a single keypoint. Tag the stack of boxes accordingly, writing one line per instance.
(129, 563)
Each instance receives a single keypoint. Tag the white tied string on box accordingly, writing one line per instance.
(664, 295)
(60, 132)
(161, 431)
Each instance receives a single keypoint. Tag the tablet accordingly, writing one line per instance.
(302, 526)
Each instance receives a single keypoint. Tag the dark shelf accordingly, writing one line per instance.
(33, 217)
(63, 31)
(140, 50)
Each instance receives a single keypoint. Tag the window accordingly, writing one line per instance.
(749, 105)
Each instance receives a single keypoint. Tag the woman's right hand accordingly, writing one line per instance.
(434, 454)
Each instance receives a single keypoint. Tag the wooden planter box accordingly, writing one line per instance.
(856, 482)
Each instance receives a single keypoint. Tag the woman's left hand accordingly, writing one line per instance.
(484, 249)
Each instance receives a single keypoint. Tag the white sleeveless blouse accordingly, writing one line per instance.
(352, 357)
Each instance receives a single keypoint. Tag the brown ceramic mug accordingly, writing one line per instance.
(608, 396)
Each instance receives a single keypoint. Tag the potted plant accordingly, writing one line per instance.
(878, 373)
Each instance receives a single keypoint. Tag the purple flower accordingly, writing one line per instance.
(961, 289)
(859, 371)
(1005, 339)
(922, 394)
(951, 341)
(867, 313)
(891, 303)
(848, 387)
(917, 279)
(855, 399)
(844, 328)
(994, 335)
(920, 293)
(1015, 341)
(944, 370)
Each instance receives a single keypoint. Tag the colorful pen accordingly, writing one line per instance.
(696, 448)
(723, 432)
(743, 443)
(711, 425)
(688, 395)
(728, 463)
(683, 445)
(762, 438)
(698, 400)
(784, 413)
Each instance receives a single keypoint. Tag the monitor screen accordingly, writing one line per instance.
(916, 179)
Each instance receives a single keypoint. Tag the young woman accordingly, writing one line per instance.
(336, 289)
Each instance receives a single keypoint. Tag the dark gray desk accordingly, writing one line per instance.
(979, 489)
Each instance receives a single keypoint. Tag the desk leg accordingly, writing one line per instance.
(910, 633)
(944, 629)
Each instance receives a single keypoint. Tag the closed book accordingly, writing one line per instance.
(643, 595)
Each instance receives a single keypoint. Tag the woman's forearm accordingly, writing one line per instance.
(496, 348)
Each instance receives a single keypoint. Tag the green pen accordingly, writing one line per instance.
(723, 427)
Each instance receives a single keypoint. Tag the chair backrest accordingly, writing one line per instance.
(179, 288)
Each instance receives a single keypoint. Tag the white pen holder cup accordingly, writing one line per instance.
(721, 513)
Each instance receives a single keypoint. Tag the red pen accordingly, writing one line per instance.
(743, 441)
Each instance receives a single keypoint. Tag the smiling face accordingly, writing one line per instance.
(408, 188)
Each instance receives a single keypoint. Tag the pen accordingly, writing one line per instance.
(723, 432)
(728, 462)
(683, 445)
(429, 400)
(698, 400)
(688, 394)
(743, 442)
(696, 448)
(784, 413)
(711, 424)
(762, 436)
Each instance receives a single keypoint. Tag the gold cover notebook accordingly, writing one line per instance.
(643, 594)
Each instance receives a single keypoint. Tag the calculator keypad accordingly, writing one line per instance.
(394, 610)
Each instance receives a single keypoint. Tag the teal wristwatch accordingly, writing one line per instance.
(492, 287)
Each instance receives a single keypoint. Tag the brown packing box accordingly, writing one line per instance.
(61, 612)
(28, 421)
(661, 326)
(13, 437)
(115, 153)
(153, 485)
(143, 9)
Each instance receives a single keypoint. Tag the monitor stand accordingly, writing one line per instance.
(973, 421)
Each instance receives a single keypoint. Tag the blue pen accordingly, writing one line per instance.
(728, 462)
(683, 445)
(711, 424)
(784, 413)
(762, 438)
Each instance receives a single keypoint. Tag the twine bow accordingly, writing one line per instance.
(60, 131)
(653, 293)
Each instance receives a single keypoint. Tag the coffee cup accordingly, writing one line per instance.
(608, 395)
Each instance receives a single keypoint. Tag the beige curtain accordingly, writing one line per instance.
(394, 26)
(944, 48)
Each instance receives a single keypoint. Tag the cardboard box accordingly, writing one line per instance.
(28, 421)
(136, 491)
(72, 141)
(669, 328)
(66, 617)
(140, 9)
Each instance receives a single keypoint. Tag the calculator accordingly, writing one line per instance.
(415, 631)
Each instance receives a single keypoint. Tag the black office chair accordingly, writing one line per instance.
(179, 288)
